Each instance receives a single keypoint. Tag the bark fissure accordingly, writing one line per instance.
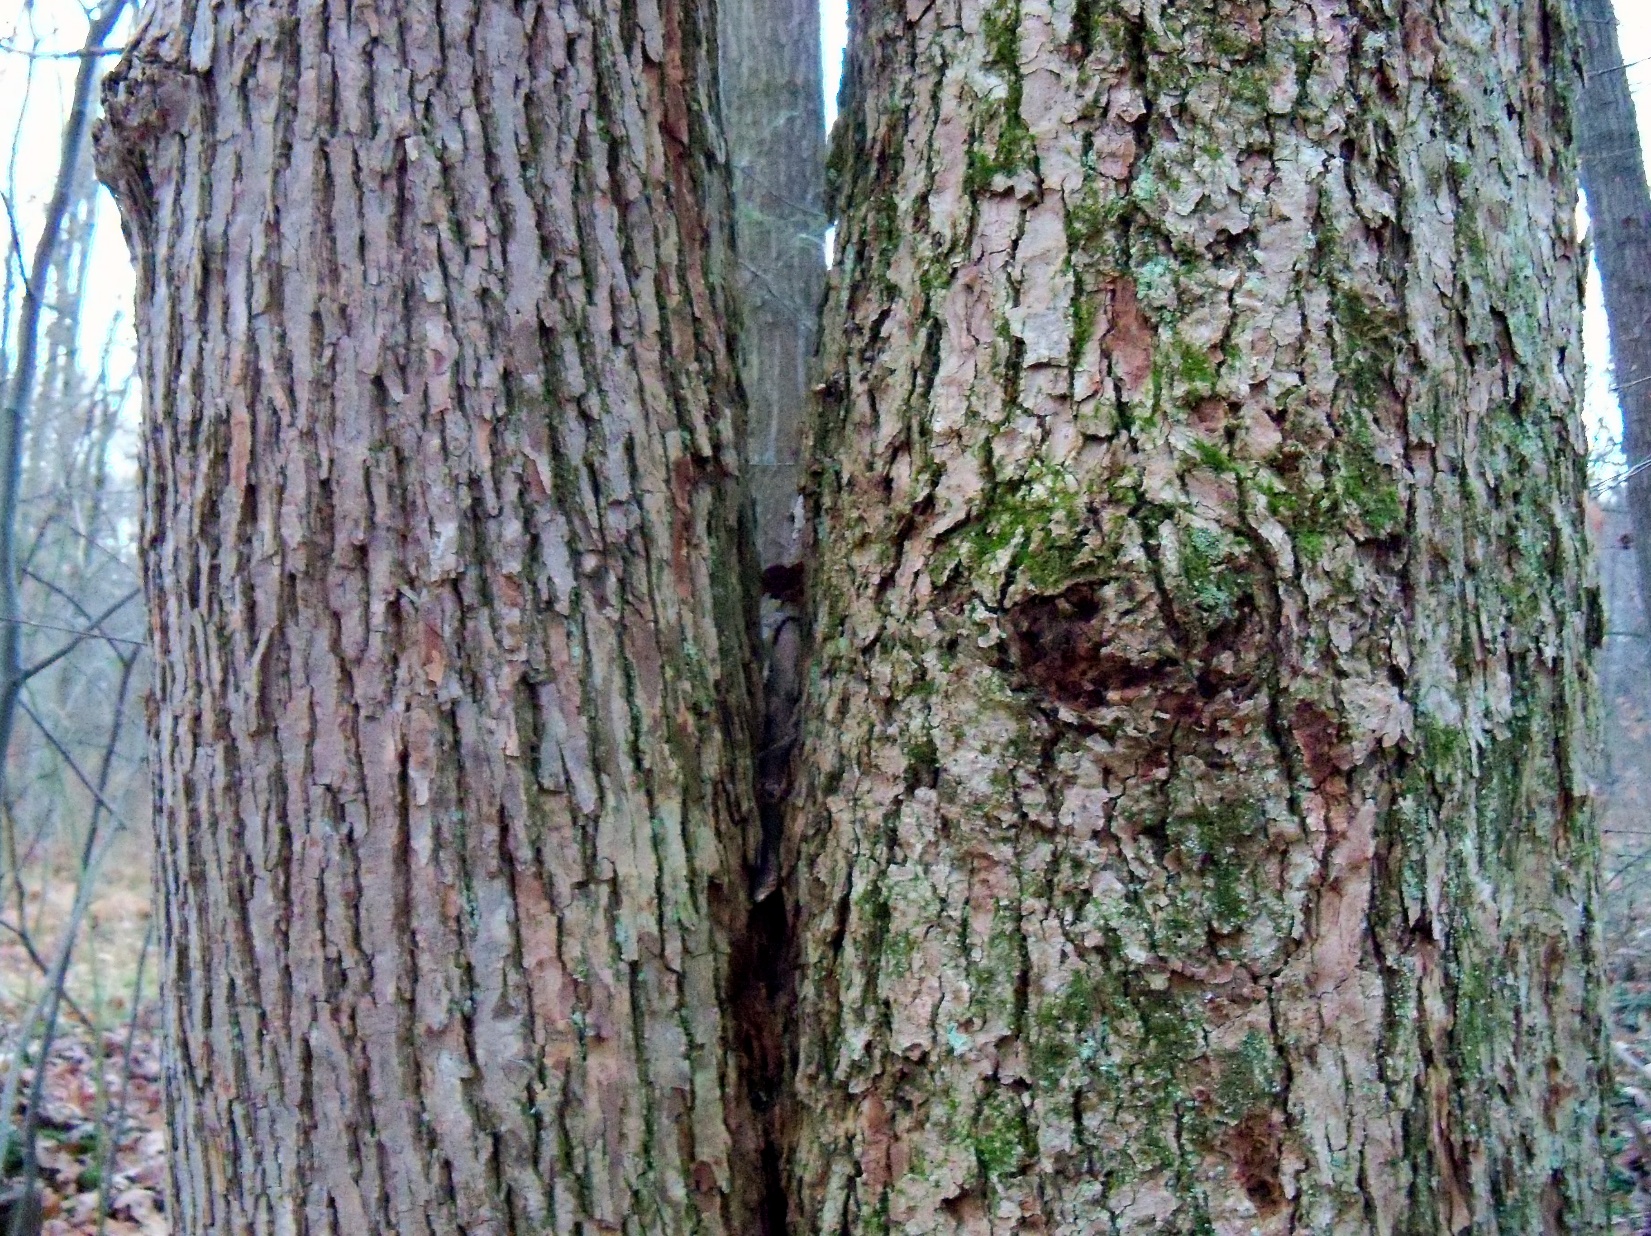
(769, 70)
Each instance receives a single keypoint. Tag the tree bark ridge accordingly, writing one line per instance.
(454, 707)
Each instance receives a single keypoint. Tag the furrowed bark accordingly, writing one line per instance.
(1193, 832)
(455, 687)
(1619, 223)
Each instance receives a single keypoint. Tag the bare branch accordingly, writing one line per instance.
(23, 676)
(15, 419)
(21, 934)
(94, 631)
(83, 53)
(63, 753)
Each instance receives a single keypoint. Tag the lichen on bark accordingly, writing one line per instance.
(1192, 830)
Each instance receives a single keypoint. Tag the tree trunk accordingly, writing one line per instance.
(771, 102)
(776, 138)
(443, 546)
(770, 66)
(1193, 831)
(1619, 223)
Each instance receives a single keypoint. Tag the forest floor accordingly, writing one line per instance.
(100, 1108)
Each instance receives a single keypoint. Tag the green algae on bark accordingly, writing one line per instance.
(1193, 830)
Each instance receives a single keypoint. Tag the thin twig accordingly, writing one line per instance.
(103, 549)
(47, 626)
(21, 932)
(1616, 68)
(63, 753)
(84, 53)
(16, 242)
(1621, 478)
(45, 1008)
(97, 846)
(63, 594)
(20, 395)
(94, 631)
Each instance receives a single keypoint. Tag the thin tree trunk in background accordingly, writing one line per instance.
(1193, 832)
(20, 393)
(455, 687)
(771, 100)
(1619, 221)
(772, 105)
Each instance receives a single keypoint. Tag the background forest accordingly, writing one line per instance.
(79, 1069)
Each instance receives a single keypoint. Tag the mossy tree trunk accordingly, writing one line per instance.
(455, 689)
(1192, 831)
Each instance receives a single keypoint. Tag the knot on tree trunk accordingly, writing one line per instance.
(148, 99)
(1119, 643)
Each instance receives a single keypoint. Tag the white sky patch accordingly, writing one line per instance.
(34, 101)
(833, 41)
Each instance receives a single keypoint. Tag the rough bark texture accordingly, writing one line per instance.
(454, 699)
(1619, 224)
(1193, 831)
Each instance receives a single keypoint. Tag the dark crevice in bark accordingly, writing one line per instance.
(762, 977)
(774, 1203)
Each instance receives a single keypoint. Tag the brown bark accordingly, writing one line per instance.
(1194, 831)
(453, 714)
(1619, 225)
